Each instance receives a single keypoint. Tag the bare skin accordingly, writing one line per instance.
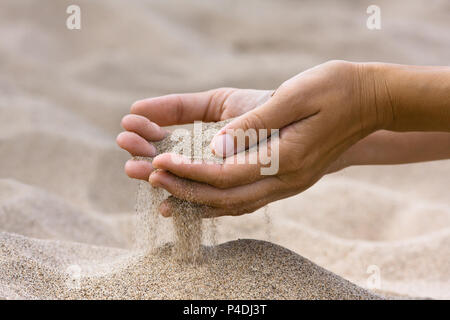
(332, 116)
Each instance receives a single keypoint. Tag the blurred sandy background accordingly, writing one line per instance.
(63, 93)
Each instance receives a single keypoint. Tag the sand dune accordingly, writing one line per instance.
(65, 201)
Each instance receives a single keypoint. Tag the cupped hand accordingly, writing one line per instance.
(147, 117)
(320, 113)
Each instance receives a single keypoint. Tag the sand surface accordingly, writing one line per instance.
(67, 209)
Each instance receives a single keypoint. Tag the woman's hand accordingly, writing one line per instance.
(321, 113)
(143, 124)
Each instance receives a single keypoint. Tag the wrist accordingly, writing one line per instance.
(377, 103)
(409, 98)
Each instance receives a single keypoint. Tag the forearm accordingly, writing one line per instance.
(414, 98)
(386, 147)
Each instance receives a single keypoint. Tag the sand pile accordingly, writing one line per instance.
(241, 269)
(244, 269)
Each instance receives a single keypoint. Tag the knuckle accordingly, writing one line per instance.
(253, 121)
(338, 64)
(179, 106)
(220, 90)
(286, 85)
(335, 62)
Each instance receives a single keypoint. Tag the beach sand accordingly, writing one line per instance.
(67, 216)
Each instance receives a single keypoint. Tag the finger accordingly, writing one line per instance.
(240, 169)
(236, 170)
(143, 127)
(222, 198)
(138, 169)
(183, 108)
(135, 144)
(170, 205)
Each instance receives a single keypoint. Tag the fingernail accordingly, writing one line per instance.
(154, 181)
(159, 178)
(223, 145)
(164, 209)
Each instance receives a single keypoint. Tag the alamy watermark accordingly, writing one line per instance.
(374, 20)
(263, 148)
(374, 280)
(73, 280)
(73, 21)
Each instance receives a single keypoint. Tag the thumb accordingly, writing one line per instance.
(246, 130)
